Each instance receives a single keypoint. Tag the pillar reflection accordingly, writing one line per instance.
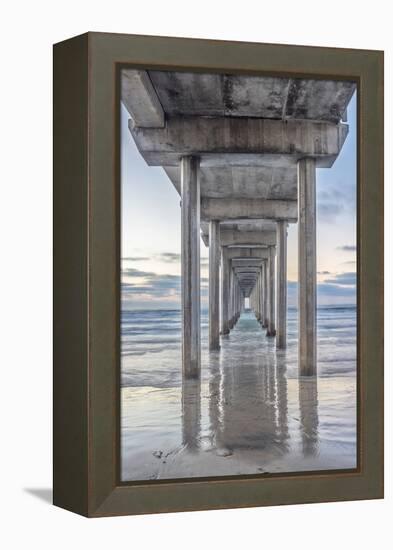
(282, 398)
(309, 420)
(191, 413)
(247, 403)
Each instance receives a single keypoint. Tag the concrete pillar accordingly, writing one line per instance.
(281, 340)
(260, 287)
(230, 325)
(271, 329)
(214, 285)
(224, 292)
(265, 295)
(307, 267)
(190, 266)
(232, 299)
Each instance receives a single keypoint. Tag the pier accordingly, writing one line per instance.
(242, 152)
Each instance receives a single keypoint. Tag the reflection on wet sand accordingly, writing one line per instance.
(245, 409)
(191, 413)
(249, 413)
(308, 403)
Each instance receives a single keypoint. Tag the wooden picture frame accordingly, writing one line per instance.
(86, 275)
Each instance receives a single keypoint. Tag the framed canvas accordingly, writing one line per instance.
(218, 274)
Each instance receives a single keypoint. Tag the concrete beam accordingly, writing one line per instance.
(220, 135)
(246, 269)
(231, 237)
(242, 262)
(246, 253)
(247, 276)
(140, 99)
(213, 94)
(242, 178)
(231, 209)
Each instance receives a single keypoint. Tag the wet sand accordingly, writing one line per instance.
(248, 414)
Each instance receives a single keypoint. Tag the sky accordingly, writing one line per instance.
(150, 231)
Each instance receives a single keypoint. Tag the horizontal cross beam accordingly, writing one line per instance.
(229, 135)
(246, 253)
(230, 237)
(232, 209)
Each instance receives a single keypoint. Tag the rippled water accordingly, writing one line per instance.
(249, 413)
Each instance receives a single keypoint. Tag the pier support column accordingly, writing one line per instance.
(271, 329)
(214, 285)
(265, 295)
(224, 291)
(190, 266)
(281, 340)
(230, 300)
(260, 290)
(307, 267)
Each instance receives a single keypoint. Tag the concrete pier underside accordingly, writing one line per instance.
(254, 143)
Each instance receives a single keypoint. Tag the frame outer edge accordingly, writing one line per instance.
(70, 272)
(106, 496)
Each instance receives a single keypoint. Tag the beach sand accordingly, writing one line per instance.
(249, 413)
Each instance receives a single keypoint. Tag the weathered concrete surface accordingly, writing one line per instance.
(140, 99)
(239, 253)
(247, 225)
(272, 180)
(246, 269)
(225, 274)
(260, 295)
(227, 209)
(243, 232)
(186, 93)
(307, 267)
(214, 285)
(190, 267)
(271, 330)
(247, 261)
(265, 321)
(231, 237)
(227, 136)
(281, 340)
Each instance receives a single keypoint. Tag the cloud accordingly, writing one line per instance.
(169, 257)
(135, 259)
(131, 272)
(347, 248)
(329, 211)
(173, 258)
(340, 289)
(348, 278)
(334, 201)
(155, 286)
(327, 289)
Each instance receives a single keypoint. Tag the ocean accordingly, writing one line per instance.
(250, 413)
